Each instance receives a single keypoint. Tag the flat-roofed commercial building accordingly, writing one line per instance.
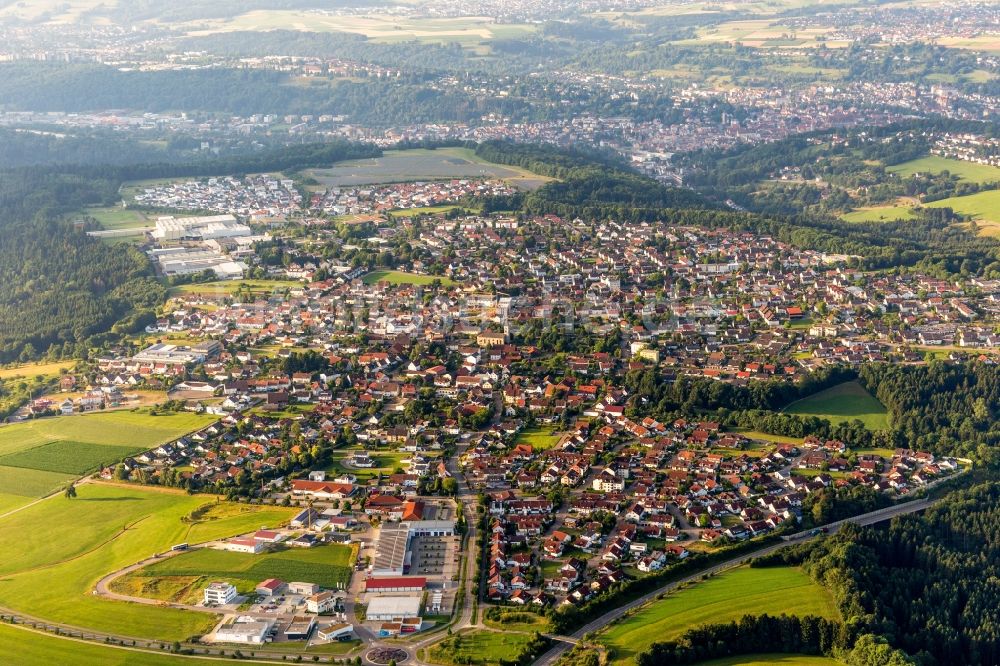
(392, 552)
(204, 227)
(252, 631)
(333, 632)
(381, 609)
(169, 354)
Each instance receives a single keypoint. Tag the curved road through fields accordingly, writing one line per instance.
(462, 621)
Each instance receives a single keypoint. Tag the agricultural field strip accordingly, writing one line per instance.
(726, 597)
(401, 277)
(417, 165)
(309, 564)
(966, 171)
(123, 429)
(31, 483)
(68, 457)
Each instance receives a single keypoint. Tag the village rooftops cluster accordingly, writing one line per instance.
(731, 306)
(382, 198)
(255, 196)
(636, 495)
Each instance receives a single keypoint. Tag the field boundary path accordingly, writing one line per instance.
(103, 587)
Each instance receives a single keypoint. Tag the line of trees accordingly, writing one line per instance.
(748, 635)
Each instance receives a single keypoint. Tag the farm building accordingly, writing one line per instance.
(305, 518)
(303, 588)
(244, 545)
(270, 587)
(268, 536)
(325, 490)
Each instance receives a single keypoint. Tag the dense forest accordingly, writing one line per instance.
(755, 406)
(751, 634)
(943, 408)
(23, 148)
(590, 185)
(56, 147)
(58, 287)
(927, 583)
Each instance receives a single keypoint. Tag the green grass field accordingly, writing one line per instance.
(119, 428)
(386, 462)
(966, 171)
(484, 648)
(119, 218)
(812, 473)
(327, 566)
(35, 369)
(31, 483)
(722, 598)
(884, 453)
(539, 438)
(59, 548)
(514, 620)
(775, 659)
(880, 214)
(400, 277)
(982, 206)
(67, 456)
(767, 437)
(428, 210)
(41, 456)
(844, 402)
(10, 501)
(29, 648)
